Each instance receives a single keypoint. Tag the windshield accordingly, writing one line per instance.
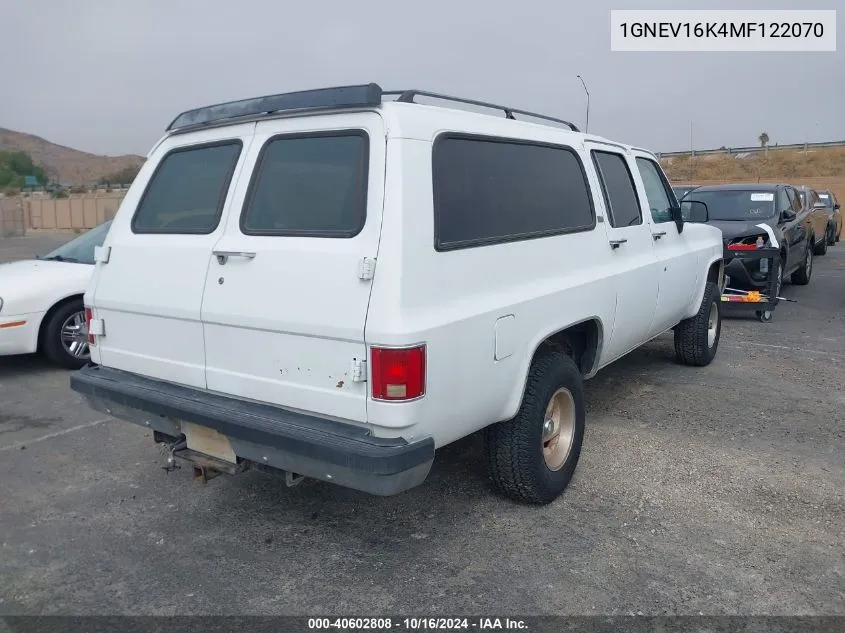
(80, 250)
(828, 201)
(736, 205)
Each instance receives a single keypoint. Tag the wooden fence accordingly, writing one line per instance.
(12, 217)
(76, 212)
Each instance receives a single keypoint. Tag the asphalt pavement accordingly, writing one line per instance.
(718, 490)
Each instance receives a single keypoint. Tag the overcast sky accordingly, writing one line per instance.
(107, 76)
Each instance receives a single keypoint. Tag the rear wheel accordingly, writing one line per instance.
(532, 457)
(65, 336)
(801, 277)
(697, 338)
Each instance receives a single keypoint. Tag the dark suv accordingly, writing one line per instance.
(830, 201)
(744, 212)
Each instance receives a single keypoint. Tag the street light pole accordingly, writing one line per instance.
(587, 124)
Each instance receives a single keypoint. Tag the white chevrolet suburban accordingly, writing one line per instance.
(335, 283)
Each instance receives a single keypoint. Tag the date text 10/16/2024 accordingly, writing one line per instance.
(416, 624)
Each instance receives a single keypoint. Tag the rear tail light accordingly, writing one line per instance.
(89, 315)
(398, 373)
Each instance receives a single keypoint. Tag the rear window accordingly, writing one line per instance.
(488, 191)
(312, 186)
(188, 189)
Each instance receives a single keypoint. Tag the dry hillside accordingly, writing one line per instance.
(822, 168)
(65, 164)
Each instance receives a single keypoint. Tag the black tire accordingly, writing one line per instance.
(820, 247)
(51, 341)
(765, 316)
(831, 235)
(514, 448)
(801, 277)
(693, 344)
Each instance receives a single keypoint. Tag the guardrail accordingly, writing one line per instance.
(751, 150)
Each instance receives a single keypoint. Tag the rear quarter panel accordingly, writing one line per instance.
(453, 300)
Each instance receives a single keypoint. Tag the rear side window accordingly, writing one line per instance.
(488, 191)
(309, 186)
(188, 189)
(618, 187)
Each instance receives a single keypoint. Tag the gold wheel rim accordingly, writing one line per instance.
(558, 429)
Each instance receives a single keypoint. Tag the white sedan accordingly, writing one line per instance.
(41, 306)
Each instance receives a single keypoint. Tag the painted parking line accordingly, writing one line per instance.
(786, 347)
(50, 436)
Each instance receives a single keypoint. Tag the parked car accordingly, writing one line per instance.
(830, 201)
(341, 284)
(41, 305)
(683, 190)
(746, 212)
(821, 217)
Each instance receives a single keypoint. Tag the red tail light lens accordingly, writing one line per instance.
(88, 316)
(398, 374)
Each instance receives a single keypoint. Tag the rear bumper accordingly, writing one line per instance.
(322, 449)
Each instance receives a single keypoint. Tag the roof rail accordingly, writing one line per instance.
(360, 96)
(367, 95)
(407, 96)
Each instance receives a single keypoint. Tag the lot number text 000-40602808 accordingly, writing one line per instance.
(760, 31)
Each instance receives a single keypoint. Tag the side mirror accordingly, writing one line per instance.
(694, 211)
(787, 215)
(836, 207)
(677, 215)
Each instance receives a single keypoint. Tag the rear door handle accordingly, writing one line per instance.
(617, 243)
(657, 236)
(223, 256)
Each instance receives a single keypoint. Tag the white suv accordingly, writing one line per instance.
(335, 283)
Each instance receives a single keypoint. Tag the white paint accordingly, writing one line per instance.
(50, 436)
(29, 288)
(773, 240)
(286, 324)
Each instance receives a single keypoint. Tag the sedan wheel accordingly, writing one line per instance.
(64, 338)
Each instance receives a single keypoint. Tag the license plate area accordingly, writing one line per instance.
(209, 442)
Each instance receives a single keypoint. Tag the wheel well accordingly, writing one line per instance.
(580, 341)
(51, 312)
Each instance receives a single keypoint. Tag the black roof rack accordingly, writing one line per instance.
(325, 98)
(407, 96)
(361, 96)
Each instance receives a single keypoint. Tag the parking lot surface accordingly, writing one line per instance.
(718, 491)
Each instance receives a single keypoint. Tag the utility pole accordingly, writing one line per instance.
(587, 124)
(691, 150)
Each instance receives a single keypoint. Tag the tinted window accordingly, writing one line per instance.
(783, 201)
(795, 199)
(656, 190)
(735, 204)
(618, 188)
(187, 191)
(488, 191)
(310, 186)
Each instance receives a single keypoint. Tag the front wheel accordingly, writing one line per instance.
(697, 338)
(65, 336)
(831, 235)
(532, 457)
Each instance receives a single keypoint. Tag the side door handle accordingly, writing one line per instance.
(223, 256)
(617, 243)
(658, 235)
